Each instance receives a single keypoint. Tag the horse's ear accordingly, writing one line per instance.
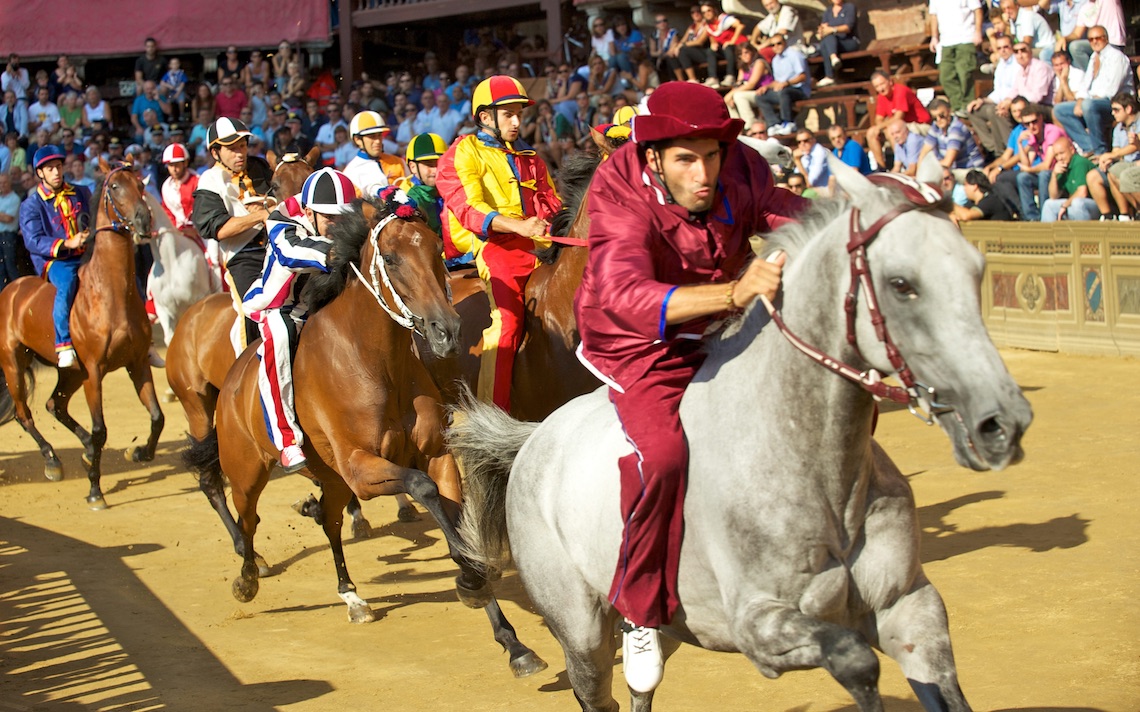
(271, 159)
(850, 180)
(313, 158)
(104, 167)
(930, 171)
(776, 153)
(600, 141)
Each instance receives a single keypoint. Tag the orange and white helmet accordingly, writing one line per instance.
(496, 91)
(367, 122)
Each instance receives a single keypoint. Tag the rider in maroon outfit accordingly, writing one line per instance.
(670, 216)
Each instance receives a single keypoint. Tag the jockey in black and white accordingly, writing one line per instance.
(298, 245)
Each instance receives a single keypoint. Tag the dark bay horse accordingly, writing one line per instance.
(373, 418)
(201, 354)
(109, 327)
(547, 373)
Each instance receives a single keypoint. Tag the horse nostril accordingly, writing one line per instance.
(991, 429)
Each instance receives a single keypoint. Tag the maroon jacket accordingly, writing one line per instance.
(642, 248)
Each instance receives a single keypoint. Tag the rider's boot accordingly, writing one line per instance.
(66, 358)
(641, 657)
(293, 459)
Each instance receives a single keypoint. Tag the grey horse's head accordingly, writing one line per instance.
(927, 278)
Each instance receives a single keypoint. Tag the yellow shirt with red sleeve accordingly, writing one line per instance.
(480, 178)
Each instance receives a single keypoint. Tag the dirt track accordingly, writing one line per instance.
(130, 609)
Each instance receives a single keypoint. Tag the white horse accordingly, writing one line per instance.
(180, 275)
(801, 538)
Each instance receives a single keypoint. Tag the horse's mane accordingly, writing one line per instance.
(792, 238)
(89, 241)
(348, 236)
(573, 181)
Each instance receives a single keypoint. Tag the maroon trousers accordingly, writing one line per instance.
(653, 481)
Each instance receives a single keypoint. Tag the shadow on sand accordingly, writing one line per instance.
(92, 629)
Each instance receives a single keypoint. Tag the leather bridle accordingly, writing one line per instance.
(120, 224)
(920, 399)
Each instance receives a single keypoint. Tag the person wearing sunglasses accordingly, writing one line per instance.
(1104, 183)
(1032, 77)
(791, 83)
(1088, 119)
(989, 115)
(1068, 186)
(810, 160)
(1035, 161)
(1109, 16)
(949, 139)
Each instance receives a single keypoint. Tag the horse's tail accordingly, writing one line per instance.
(202, 458)
(485, 440)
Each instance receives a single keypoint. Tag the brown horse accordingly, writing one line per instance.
(109, 328)
(373, 418)
(547, 373)
(200, 353)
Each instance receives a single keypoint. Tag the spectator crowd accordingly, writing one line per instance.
(1055, 139)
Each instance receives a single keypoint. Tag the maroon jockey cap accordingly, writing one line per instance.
(684, 110)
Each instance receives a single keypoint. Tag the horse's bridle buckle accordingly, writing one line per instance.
(924, 403)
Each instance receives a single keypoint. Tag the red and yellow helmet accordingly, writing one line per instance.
(496, 91)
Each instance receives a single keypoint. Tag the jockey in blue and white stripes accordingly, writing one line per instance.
(298, 245)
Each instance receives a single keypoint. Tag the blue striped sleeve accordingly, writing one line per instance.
(665, 308)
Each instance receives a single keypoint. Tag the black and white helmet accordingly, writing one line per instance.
(225, 131)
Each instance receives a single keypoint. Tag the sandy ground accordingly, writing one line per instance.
(130, 608)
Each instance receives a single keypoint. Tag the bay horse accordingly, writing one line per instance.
(801, 537)
(200, 354)
(109, 327)
(372, 416)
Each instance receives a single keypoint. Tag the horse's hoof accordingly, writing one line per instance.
(53, 470)
(245, 589)
(408, 514)
(361, 529)
(472, 597)
(97, 503)
(361, 614)
(262, 567)
(308, 507)
(138, 454)
(527, 665)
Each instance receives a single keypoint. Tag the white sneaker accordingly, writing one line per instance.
(292, 459)
(825, 82)
(727, 82)
(66, 358)
(641, 657)
(712, 82)
(987, 68)
(1124, 218)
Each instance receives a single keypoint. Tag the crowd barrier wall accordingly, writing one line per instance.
(1065, 286)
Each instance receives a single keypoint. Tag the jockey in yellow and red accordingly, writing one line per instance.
(498, 198)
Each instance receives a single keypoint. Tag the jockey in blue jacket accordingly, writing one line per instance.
(54, 220)
(298, 245)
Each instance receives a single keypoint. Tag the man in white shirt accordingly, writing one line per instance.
(1108, 14)
(955, 35)
(326, 134)
(15, 79)
(1088, 119)
(989, 116)
(43, 114)
(447, 121)
(1067, 79)
(1029, 27)
(427, 115)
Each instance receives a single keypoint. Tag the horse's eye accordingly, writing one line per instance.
(390, 260)
(903, 288)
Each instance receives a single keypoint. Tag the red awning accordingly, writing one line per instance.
(37, 28)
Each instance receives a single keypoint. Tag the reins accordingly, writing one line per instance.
(920, 400)
(119, 224)
(402, 315)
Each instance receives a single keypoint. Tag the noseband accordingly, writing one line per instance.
(920, 400)
(401, 314)
(120, 223)
(289, 158)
